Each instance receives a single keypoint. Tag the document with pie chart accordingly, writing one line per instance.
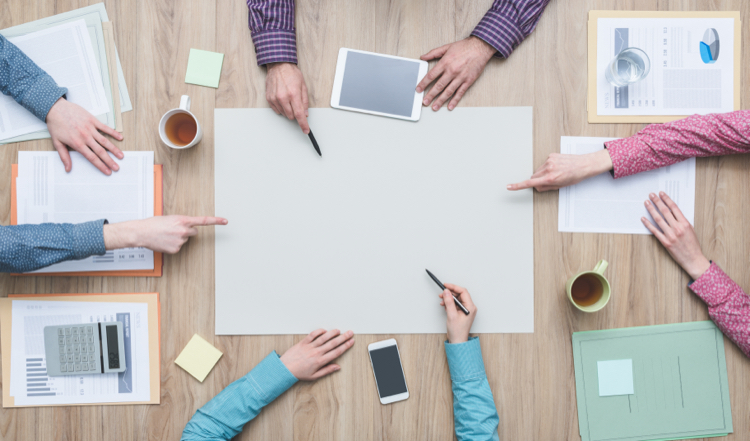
(692, 65)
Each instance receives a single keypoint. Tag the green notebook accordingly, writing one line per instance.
(678, 376)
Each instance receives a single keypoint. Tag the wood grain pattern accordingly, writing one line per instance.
(531, 375)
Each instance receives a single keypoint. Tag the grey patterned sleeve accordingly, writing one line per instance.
(26, 248)
(25, 82)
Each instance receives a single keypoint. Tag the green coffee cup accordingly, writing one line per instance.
(589, 291)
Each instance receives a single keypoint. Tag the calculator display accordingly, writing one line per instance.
(112, 346)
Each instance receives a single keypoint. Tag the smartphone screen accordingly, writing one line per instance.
(388, 372)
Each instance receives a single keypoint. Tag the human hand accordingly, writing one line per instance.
(563, 170)
(460, 65)
(286, 92)
(164, 234)
(309, 359)
(72, 126)
(459, 324)
(677, 235)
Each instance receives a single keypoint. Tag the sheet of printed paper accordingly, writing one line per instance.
(46, 193)
(603, 204)
(30, 384)
(692, 66)
(65, 53)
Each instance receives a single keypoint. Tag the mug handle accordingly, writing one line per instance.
(600, 267)
(185, 103)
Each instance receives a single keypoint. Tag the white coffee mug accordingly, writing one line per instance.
(184, 108)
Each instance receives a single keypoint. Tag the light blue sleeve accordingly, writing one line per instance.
(223, 417)
(28, 84)
(474, 412)
(30, 247)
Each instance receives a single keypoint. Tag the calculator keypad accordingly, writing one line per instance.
(77, 350)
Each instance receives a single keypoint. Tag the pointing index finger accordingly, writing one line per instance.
(206, 221)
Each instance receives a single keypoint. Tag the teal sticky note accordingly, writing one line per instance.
(204, 68)
(615, 377)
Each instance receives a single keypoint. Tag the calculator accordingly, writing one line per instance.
(89, 348)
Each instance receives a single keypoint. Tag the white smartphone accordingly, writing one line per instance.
(389, 374)
(378, 84)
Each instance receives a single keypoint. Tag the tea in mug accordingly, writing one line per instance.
(181, 129)
(587, 290)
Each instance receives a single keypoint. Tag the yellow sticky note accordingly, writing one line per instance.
(198, 357)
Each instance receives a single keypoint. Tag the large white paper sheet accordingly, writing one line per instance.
(680, 82)
(31, 386)
(46, 193)
(604, 205)
(65, 53)
(343, 240)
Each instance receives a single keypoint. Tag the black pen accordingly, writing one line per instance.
(315, 143)
(463, 308)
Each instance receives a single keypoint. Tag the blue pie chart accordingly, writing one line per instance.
(710, 46)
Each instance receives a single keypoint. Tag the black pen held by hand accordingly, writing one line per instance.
(314, 143)
(432, 276)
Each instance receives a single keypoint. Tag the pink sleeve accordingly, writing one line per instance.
(659, 145)
(728, 305)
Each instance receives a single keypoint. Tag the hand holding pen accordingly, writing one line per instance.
(459, 325)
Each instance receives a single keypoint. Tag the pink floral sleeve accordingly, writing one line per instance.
(659, 145)
(728, 305)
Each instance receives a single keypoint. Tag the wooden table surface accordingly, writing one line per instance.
(531, 375)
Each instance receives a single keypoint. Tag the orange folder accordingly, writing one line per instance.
(158, 211)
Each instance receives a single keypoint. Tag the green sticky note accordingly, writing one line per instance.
(204, 68)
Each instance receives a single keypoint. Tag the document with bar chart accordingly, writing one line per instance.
(692, 66)
(30, 385)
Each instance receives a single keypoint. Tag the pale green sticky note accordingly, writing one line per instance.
(198, 357)
(204, 68)
(615, 377)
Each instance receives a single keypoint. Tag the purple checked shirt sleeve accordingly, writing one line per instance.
(271, 25)
(508, 23)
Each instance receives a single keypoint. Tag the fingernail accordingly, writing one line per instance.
(419, 90)
(349, 333)
(509, 187)
(435, 107)
(647, 203)
(425, 102)
(450, 107)
(653, 196)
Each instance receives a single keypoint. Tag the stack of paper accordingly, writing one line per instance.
(46, 193)
(603, 204)
(652, 383)
(24, 359)
(113, 83)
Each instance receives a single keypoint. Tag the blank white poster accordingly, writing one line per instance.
(343, 240)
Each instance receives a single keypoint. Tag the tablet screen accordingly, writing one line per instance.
(379, 84)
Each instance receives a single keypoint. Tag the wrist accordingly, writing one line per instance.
(698, 267)
(456, 339)
(484, 48)
(121, 235)
(276, 65)
(54, 109)
(599, 162)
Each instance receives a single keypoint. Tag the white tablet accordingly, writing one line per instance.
(378, 84)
